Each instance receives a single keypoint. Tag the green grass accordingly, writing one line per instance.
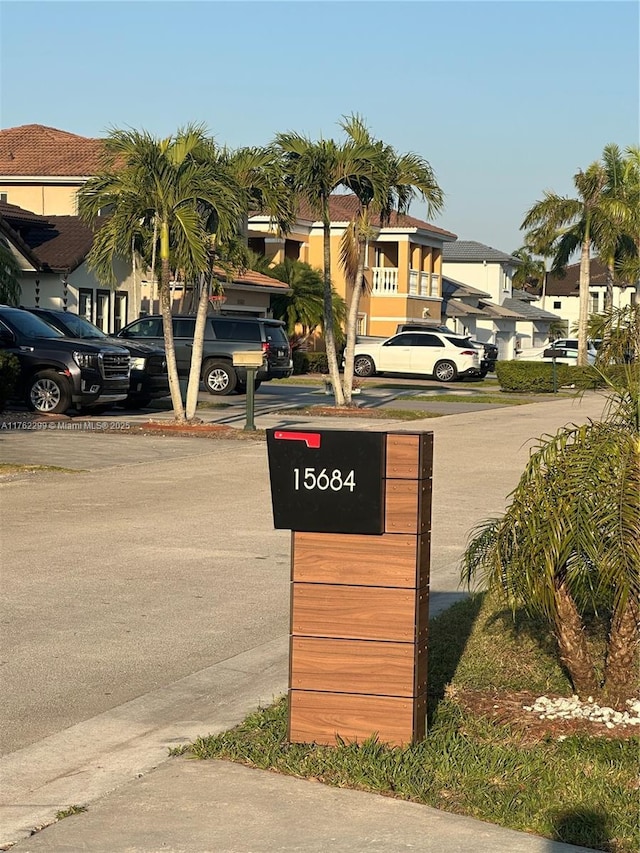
(579, 790)
(486, 399)
(361, 411)
(70, 811)
(8, 469)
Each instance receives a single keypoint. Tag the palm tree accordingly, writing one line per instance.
(627, 263)
(314, 169)
(559, 226)
(531, 271)
(394, 181)
(168, 188)
(568, 547)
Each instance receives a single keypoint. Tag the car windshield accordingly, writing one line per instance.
(29, 325)
(80, 328)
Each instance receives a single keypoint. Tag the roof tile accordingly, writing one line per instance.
(33, 149)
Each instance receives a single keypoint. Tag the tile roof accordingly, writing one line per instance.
(570, 284)
(470, 251)
(343, 207)
(57, 243)
(453, 288)
(256, 279)
(527, 310)
(36, 150)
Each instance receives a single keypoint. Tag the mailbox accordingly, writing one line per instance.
(249, 358)
(327, 481)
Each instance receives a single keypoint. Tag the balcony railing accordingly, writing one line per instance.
(384, 280)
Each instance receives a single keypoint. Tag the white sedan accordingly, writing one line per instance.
(445, 357)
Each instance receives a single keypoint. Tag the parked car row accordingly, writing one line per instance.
(66, 361)
(562, 351)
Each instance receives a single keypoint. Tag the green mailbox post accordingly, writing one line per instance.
(251, 360)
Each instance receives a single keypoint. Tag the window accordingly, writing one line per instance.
(3, 197)
(147, 328)
(120, 311)
(557, 305)
(103, 303)
(423, 340)
(183, 327)
(594, 302)
(236, 330)
(85, 304)
(400, 341)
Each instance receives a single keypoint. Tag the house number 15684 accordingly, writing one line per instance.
(309, 479)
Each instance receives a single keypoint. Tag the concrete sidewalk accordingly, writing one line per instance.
(117, 765)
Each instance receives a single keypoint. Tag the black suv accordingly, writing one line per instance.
(224, 335)
(56, 372)
(149, 379)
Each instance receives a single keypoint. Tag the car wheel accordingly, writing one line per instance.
(445, 371)
(484, 372)
(219, 378)
(49, 393)
(363, 366)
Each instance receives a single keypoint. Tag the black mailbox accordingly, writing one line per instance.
(327, 481)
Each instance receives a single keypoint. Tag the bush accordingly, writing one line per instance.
(538, 376)
(300, 362)
(318, 362)
(9, 373)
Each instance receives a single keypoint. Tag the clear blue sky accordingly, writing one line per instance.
(505, 99)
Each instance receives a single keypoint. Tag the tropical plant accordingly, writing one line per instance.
(559, 226)
(627, 214)
(393, 182)
(530, 273)
(313, 170)
(10, 290)
(302, 309)
(165, 195)
(567, 547)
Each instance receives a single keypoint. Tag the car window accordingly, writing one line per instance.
(149, 327)
(275, 334)
(78, 327)
(31, 326)
(403, 340)
(236, 330)
(423, 340)
(463, 343)
(184, 327)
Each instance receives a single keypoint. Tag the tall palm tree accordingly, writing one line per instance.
(628, 216)
(313, 170)
(394, 181)
(568, 547)
(559, 226)
(531, 271)
(172, 188)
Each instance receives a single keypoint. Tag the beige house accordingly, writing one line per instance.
(41, 171)
(403, 270)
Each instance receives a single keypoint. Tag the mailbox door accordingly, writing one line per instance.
(327, 481)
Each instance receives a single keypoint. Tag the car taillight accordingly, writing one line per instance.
(469, 352)
(266, 347)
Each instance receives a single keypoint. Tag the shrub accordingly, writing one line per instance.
(318, 362)
(538, 376)
(300, 362)
(9, 372)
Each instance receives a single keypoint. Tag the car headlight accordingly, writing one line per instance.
(138, 363)
(86, 359)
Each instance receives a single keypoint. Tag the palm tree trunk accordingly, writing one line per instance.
(196, 353)
(583, 316)
(167, 326)
(329, 337)
(610, 277)
(352, 321)
(572, 644)
(622, 655)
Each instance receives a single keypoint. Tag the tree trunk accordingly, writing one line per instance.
(196, 353)
(583, 317)
(572, 645)
(622, 656)
(352, 322)
(167, 326)
(610, 277)
(329, 337)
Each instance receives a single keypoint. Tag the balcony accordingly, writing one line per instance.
(384, 282)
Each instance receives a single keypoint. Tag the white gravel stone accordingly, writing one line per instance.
(574, 709)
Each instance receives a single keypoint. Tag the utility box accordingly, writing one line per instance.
(327, 481)
(360, 561)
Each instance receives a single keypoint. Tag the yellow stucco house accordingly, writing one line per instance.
(403, 270)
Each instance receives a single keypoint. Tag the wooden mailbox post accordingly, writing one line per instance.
(359, 600)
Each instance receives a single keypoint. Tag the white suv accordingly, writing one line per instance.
(445, 357)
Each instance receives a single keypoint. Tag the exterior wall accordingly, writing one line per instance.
(44, 199)
(569, 306)
(493, 278)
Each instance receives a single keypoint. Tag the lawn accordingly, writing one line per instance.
(576, 787)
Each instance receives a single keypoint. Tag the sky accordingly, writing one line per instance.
(504, 99)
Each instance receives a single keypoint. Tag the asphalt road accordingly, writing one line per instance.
(158, 558)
